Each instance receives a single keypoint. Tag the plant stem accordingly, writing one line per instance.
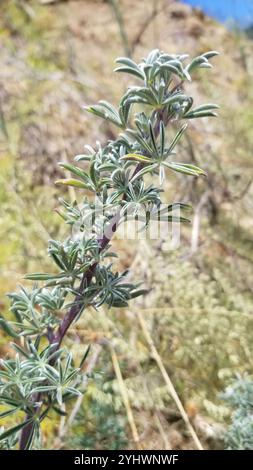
(78, 304)
(25, 434)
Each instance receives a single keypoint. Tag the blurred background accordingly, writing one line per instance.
(57, 56)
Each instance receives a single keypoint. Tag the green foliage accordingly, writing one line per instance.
(30, 374)
(207, 322)
(239, 395)
(104, 429)
(43, 375)
(98, 425)
(200, 327)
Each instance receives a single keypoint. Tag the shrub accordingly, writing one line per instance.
(240, 397)
(43, 374)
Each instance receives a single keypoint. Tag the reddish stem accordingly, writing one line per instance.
(77, 306)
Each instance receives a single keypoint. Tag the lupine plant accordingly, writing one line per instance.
(125, 178)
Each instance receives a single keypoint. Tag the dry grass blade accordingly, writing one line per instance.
(170, 386)
(125, 398)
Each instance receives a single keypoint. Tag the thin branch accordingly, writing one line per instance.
(78, 304)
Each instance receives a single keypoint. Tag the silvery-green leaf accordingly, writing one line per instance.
(15, 429)
(185, 168)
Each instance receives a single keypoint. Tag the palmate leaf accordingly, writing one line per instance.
(138, 292)
(136, 157)
(201, 114)
(177, 138)
(185, 168)
(144, 171)
(75, 183)
(77, 171)
(135, 136)
(59, 411)
(181, 72)
(210, 54)
(203, 110)
(143, 95)
(43, 276)
(172, 69)
(15, 429)
(9, 401)
(82, 157)
(5, 325)
(130, 67)
(175, 98)
(86, 353)
(9, 412)
(20, 350)
(162, 137)
(124, 110)
(106, 111)
(153, 140)
(201, 61)
(205, 107)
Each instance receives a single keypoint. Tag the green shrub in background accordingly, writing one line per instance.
(239, 395)
(98, 427)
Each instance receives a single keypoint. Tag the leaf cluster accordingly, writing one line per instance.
(43, 376)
